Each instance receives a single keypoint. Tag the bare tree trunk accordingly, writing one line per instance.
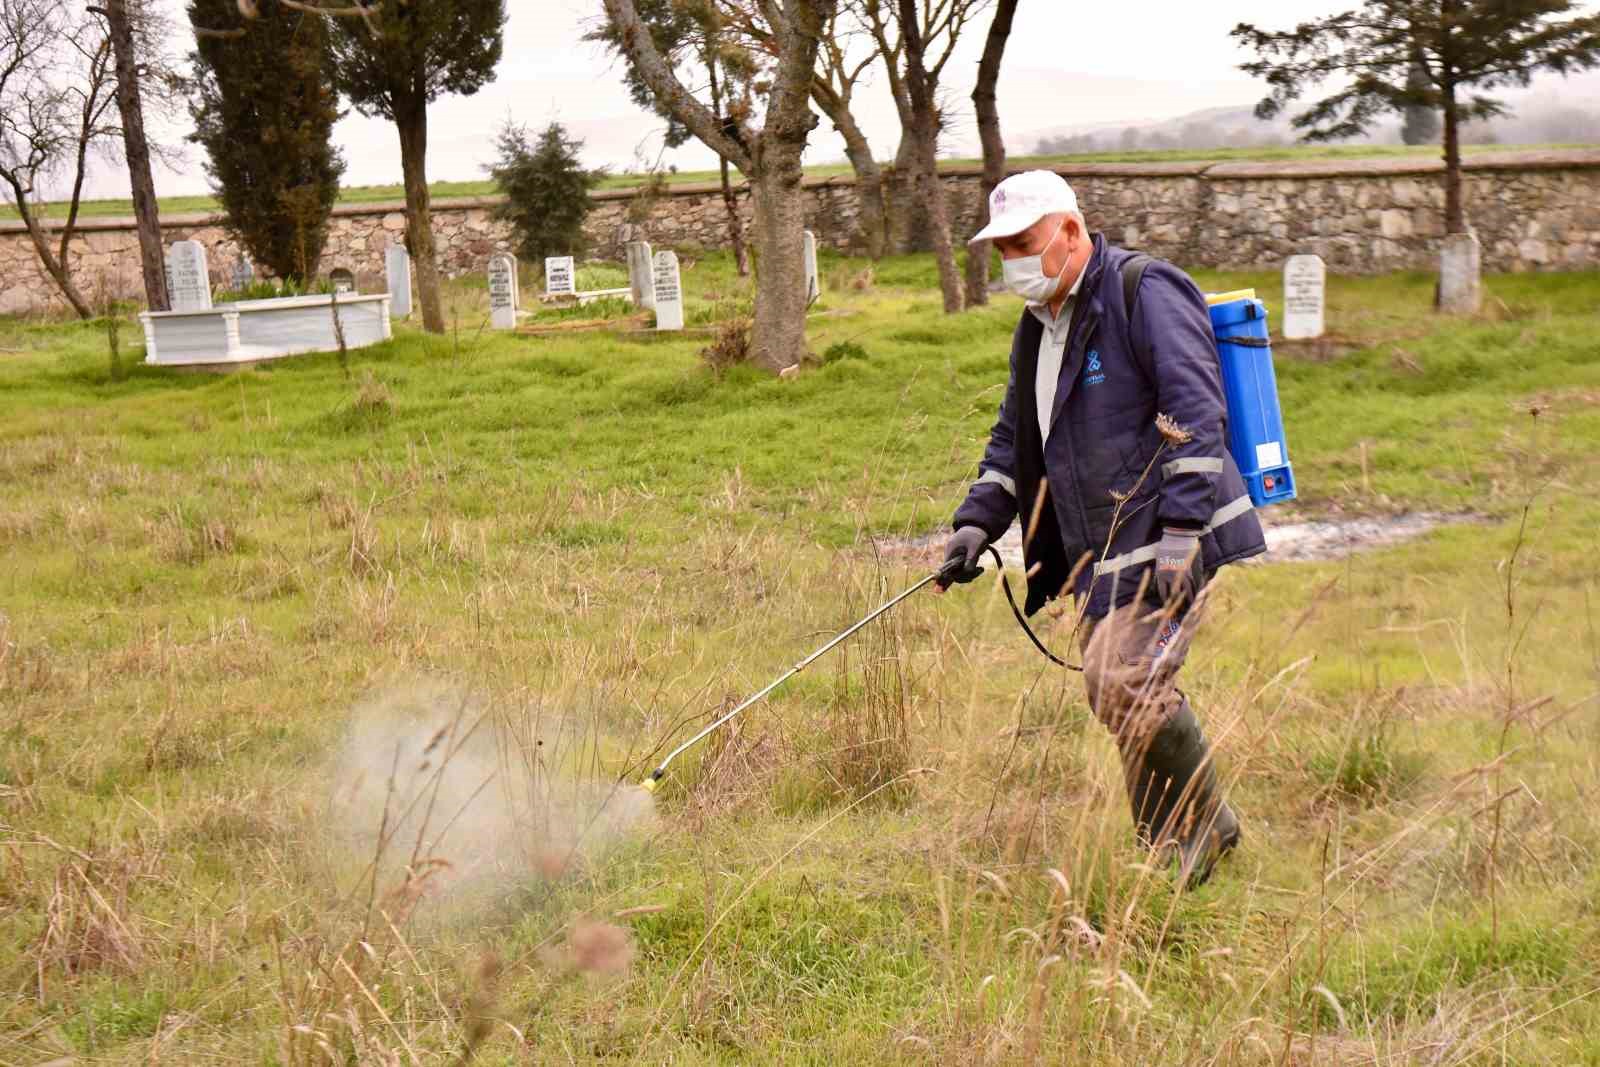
(152, 261)
(905, 225)
(770, 159)
(994, 147)
(872, 223)
(1455, 216)
(780, 314)
(871, 218)
(932, 198)
(925, 155)
(59, 268)
(735, 223)
(413, 126)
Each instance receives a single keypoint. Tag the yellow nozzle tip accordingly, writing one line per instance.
(648, 785)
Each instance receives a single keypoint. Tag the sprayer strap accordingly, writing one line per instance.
(1245, 342)
(1005, 583)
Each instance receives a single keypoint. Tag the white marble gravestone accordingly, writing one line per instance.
(640, 274)
(244, 272)
(668, 288)
(813, 281)
(1305, 297)
(502, 291)
(560, 276)
(188, 279)
(1460, 270)
(397, 268)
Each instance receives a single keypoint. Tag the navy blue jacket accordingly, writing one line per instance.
(1116, 375)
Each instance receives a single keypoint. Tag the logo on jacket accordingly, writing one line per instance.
(1092, 375)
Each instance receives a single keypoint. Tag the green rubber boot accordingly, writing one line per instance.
(1176, 799)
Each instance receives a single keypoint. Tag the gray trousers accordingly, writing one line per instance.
(1131, 659)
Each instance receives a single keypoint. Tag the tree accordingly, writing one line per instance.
(937, 26)
(393, 63)
(1461, 47)
(546, 188)
(692, 35)
(921, 88)
(264, 106)
(1421, 122)
(769, 157)
(985, 104)
(57, 87)
(840, 68)
(126, 19)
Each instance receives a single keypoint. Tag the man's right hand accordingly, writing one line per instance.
(961, 555)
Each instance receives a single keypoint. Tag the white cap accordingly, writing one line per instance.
(1022, 200)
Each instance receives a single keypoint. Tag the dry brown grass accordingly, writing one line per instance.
(190, 537)
(90, 923)
(729, 347)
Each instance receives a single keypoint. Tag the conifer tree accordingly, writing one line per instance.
(264, 109)
(1463, 48)
(546, 189)
(392, 63)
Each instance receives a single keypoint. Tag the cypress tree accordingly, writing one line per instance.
(264, 107)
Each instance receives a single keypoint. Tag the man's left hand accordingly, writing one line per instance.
(1175, 555)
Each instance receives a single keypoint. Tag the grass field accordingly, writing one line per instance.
(234, 609)
(368, 194)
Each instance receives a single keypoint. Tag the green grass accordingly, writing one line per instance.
(371, 194)
(225, 600)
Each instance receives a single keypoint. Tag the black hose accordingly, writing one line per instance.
(1005, 583)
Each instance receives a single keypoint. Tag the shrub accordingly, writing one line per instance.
(546, 188)
(729, 347)
(843, 350)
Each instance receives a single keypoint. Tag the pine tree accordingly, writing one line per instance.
(546, 188)
(1462, 47)
(392, 63)
(264, 110)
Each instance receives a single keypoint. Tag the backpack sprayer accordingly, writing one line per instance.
(1255, 440)
(1250, 387)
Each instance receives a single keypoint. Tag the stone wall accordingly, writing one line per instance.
(1531, 210)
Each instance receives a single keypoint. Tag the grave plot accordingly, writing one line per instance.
(197, 334)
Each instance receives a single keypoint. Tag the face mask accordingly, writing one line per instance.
(1025, 275)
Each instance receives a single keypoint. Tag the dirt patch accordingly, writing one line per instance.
(1337, 538)
(1287, 541)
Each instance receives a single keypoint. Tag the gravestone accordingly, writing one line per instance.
(502, 291)
(813, 281)
(1459, 272)
(188, 279)
(640, 274)
(1305, 288)
(343, 281)
(397, 268)
(668, 291)
(244, 272)
(560, 276)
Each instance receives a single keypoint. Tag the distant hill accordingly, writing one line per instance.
(1556, 112)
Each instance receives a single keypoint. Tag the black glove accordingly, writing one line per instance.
(961, 556)
(1175, 556)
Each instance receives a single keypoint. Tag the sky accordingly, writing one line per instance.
(1067, 64)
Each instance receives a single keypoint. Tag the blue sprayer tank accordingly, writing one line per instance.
(1255, 422)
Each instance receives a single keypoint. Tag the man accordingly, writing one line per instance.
(1133, 512)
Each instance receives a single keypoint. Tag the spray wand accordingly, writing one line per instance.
(950, 568)
(649, 784)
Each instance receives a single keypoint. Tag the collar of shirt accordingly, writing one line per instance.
(1052, 351)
